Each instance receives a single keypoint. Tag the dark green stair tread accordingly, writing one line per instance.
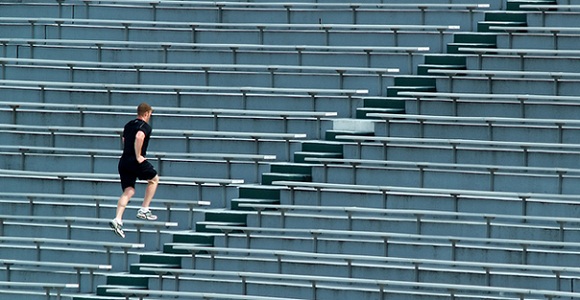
(414, 81)
(135, 268)
(268, 178)
(202, 225)
(505, 16)
(361, 112)
(96, 297)
(515, 4)
(301, 156)
(385, 102)
(393, 91)
(193, 237)
(235, 202)
(484, 26)
(330, 135)
(128, 279)
(102, 289)
(259, 191)
(454, 47)
(322, 146)
(159, 258)
(445, 59)
(289, 167)
(169, 247)
(475, 38)
(225, 215)
(422, 69)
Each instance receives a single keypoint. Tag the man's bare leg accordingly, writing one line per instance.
(123, 201)
(150, 191)
(144, 213)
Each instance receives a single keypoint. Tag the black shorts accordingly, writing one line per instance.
(130, 170)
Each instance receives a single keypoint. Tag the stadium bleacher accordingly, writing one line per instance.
(307, 150)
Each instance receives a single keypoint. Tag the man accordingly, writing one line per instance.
(133, 165)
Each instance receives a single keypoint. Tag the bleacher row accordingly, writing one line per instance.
(307, 149)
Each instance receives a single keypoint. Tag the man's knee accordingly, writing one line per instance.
(129, 192)
(154, 180)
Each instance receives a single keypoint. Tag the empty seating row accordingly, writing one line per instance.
(549, 38)
(412, 221)
(453, 200)
(477, 128)
(526, 154)
(236, 12)
(501, 81)
(382, 268)
(521, 59)
(444, 175)
(35, 290)
(14, 269)
(160, 52)
(273, 76)
(234, 97)
(255, 284)
(551, 14)
(511, 105)
(451, 247)
(433, 36)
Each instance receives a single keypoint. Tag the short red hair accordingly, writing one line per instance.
(143, 108)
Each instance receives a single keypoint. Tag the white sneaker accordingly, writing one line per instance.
(146, 215)
(117, 228)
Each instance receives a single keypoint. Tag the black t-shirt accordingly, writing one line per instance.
(130, 132)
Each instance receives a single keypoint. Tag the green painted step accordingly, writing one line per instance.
(161, 260)
(203, 239)
(444, 61)
(423, 69)
(135, 268)
(393, 91)
(484, 26)
(269, 177)
(384, 102)
(125, 280)
(300, 156)
(361, 112)
(503, 18)
(225, 216)
(102, 289)
(331, 134)
(95, 297)
(475, 38)
(202, 226)
(287, 167)
(193, 237)
(259, 192)
(237, 201)
(170, 247)
(472, 40)
(454, 47)
(221, 217)
(322, 146)
(515, 4)
(414, 80)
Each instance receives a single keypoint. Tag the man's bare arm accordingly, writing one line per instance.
(139, 138)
